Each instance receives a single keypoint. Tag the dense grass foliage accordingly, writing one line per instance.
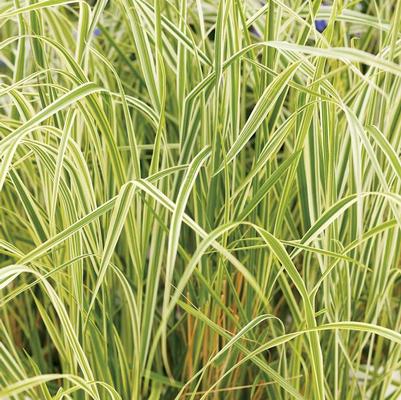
(200, 199)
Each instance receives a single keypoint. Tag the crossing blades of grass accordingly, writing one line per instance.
(200, 199)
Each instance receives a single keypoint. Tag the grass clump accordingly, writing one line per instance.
(200, 199)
